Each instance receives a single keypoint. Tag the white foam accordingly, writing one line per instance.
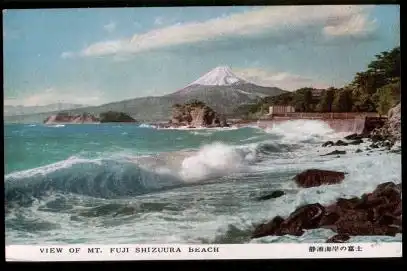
(213, 160)
(144, 125)
(186, 128)
(303, 130)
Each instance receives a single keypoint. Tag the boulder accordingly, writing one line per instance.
(340, 143)
(374, 146)
(317, 177)
(305, 217)
(353, 137)
(356, 142)
(339, 238)
(272, 195)
(358, 151)
(328, 143)
(334, 153)
(269, 228)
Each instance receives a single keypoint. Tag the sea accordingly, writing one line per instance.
(132, 183)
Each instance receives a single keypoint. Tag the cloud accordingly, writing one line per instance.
(331, 20)
(357, 25)
(282, 80)
(110, 27)
(52, 95)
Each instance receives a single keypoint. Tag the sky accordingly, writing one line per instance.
(98, 55)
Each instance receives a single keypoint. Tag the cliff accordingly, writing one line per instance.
(196, 114)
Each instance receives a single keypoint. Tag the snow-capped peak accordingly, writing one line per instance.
(219, 76)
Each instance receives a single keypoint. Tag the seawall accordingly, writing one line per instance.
(352, 122)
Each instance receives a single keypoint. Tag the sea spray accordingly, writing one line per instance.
(213, 160)
(301, 130)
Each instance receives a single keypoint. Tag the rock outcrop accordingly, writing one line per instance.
(317, 177)
(371, 124)
(272, 195)
(196, 114)
(376, 213)
(391, 129)
(67, 118)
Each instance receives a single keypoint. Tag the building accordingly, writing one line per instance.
(281, 109)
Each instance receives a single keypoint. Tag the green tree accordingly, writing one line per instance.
(303, 100)
(196, 103)
(325, 104)
(385, 100)
(383, 70)
(363, 102)
(343, 101)
(113, 116)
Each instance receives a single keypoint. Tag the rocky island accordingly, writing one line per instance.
(195, 114)
(87, 118)
(113, 116)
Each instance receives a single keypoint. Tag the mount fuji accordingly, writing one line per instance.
(224, 91)
(219, 88)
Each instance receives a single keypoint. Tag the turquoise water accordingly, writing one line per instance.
(115, 183)
(28, 146)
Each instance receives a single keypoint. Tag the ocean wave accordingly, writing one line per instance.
(219, 159)
(302, 131)
(98, 178)
(126, 175)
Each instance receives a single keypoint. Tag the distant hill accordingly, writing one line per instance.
(10, 110)
(219, 88)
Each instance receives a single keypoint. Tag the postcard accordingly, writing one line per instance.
(233, 132)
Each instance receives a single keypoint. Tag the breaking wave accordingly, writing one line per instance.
(118, 177)
(97, 178)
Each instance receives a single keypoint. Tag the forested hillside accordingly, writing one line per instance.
(376, 89)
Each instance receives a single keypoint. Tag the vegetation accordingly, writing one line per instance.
(343, 101)
(112, 116)
(375, 90)
(326, 102)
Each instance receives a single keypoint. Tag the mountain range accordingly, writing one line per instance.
(220, 88)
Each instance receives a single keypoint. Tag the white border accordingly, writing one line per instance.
(195, 252)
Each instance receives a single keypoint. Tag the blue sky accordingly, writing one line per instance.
(94, 56)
